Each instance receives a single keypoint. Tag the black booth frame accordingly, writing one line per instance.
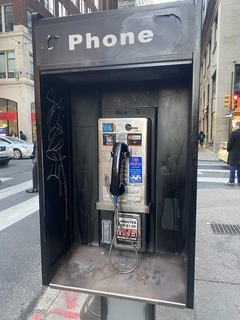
(64, 259)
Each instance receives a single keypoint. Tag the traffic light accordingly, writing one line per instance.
(235, 102)
(227, 100)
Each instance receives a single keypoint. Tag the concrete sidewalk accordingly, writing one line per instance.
(217, 268)
(206, 155)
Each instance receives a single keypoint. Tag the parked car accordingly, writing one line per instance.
(222, 153)
(21, 149)
(6, 153)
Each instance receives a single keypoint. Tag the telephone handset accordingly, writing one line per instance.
(119, 152)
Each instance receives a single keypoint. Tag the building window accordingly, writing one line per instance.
(31, 70)
(204, 65)
(2, 65)
(11, 64)
(8, 14)
(96, 4)
(7, 64)
(3, 107)
(84, 6)
(6, 18)
(209, 52)
(7, 105)
(215, 31)
(214, 85)
(29, 22)
(75, 2)
(49, 5)
(1, 19)
(8, 120)
(11, 106)
(62, 11)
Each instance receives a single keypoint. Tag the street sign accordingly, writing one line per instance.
(228, 115)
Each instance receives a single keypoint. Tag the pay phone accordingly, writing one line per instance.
(123, 181)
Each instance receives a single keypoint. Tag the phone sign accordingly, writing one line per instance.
(135, 169)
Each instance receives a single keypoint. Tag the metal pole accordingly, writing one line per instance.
(232, 93)
(230, 106)
(119, 309)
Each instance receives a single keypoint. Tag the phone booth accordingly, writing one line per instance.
(117, 121)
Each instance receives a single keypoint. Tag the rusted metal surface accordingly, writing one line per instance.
(159, 279)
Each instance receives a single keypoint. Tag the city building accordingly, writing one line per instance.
(17, 107)
(219, 105)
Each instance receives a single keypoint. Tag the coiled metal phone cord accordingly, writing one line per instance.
(116, 225)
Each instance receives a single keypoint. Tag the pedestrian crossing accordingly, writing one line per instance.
(212, 180)
(207, 175)
(210, 170)
(16, 212)
(15, 189)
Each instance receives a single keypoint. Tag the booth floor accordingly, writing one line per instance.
(157, 278)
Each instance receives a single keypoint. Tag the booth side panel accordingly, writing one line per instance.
(37, 89)
(55, 200)
(193, 155)
(85, 112)
(173, 139)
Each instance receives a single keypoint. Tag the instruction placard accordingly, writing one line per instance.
(135, 169)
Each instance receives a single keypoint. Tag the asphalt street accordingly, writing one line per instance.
(20, 267)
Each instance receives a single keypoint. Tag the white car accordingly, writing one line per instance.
(21, 149)
(6, 153)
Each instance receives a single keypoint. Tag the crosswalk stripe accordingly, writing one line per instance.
(5, 179)
(15, 189)
(217, 180)
(213, 163)
(214, 170)
(18, 212)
